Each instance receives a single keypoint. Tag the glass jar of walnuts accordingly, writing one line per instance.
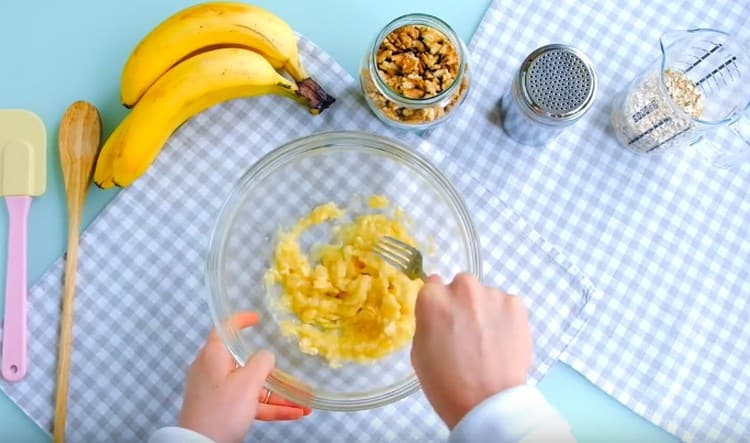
(416, 72)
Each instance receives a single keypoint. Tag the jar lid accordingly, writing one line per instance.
(557, 83)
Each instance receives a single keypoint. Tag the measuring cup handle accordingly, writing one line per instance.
(741, 127)
(728, 156)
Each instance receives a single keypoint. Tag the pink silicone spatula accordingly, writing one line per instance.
(23, 160)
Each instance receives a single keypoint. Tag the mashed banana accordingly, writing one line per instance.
(349, 304)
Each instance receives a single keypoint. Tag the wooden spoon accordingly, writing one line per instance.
(79, 139)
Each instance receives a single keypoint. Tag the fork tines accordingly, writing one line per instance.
(395, 252)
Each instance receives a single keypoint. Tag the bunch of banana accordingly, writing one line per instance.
(199, 57)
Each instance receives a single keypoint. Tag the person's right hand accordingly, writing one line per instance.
(471, 342)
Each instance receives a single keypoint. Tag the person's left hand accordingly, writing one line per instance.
(221, 400)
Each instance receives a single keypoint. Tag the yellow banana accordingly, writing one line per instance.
(185, 90)
(209, 26)
(103, 173)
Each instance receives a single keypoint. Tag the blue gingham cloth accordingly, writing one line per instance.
(666, 239)
(141, 311)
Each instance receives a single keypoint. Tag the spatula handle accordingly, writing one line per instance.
(14, 324)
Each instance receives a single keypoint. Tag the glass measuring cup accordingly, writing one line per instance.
(699, 84)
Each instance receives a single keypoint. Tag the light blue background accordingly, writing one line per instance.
(56, 52)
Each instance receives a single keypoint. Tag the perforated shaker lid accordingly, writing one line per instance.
(557, 83)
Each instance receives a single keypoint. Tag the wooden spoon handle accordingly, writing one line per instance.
(66, 330)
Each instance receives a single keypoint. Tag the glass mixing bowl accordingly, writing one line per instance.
(282, 187)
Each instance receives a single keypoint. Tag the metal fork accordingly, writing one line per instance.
(401, 256)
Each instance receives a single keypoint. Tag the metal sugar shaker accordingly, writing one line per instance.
(553, 88)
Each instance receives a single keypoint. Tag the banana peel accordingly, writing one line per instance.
(192, 86)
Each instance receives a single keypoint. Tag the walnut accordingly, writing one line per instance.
(417, 49)
(416, 62)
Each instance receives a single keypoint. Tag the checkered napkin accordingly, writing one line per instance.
(141, 310)
(667, 240)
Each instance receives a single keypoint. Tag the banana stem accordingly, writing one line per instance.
(317, 99)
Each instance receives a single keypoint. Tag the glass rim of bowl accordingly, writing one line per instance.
(278, 381)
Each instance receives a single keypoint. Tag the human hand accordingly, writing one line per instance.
(221, 401)
(471, 342)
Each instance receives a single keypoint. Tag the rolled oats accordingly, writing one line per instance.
(684, 92)
(646, 121)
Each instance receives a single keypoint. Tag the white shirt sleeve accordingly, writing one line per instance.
(517, 415)
(173, 434)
